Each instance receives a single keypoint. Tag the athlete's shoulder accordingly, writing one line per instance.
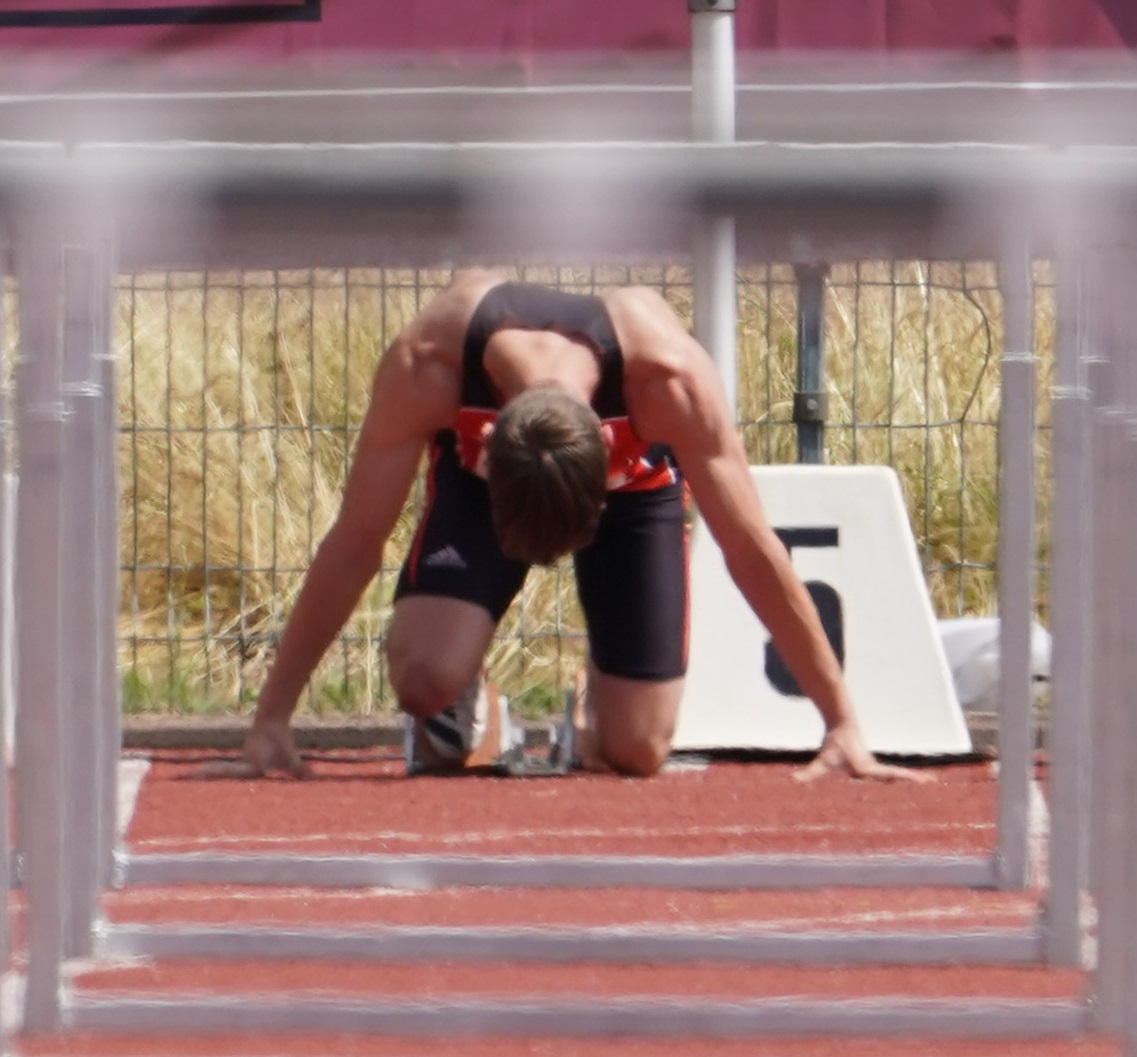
(447, 315)
(649, 330)
(468, 286)
(475, 281)
(418, 378)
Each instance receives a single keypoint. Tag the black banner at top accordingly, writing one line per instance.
(158, 14)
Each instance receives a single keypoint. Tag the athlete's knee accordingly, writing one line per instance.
(424, 685)
(639, 755)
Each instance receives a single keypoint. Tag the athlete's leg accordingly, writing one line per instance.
(453, 589)
(632, 721)
(435, 648)
(633, 588)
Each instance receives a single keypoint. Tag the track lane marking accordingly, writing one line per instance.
(505, 835)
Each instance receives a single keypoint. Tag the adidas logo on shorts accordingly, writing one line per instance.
(445, 558)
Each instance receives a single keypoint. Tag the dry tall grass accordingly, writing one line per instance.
(241, 394)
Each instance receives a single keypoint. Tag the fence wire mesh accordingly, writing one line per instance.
(241, 395)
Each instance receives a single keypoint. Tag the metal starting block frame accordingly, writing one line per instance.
(502, 750)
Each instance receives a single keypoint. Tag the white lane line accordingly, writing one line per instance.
(1038, 837)
(976, 917)
(1089, 933)
(505, 835)
(131, 773)
(12, 986)
(145, 896)
(1037, 831)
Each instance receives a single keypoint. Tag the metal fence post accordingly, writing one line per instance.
(810, 404)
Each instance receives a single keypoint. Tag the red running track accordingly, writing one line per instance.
(357, 804)
(370, 807)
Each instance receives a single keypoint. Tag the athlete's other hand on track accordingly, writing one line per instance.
(268, 749)
(844, 749)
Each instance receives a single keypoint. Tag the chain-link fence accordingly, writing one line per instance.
(241, 394)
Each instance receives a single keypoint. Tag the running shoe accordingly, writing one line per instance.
(458, 729)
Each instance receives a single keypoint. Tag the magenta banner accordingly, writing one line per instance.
(287, 29)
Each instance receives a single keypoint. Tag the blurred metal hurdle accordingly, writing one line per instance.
(7, 635)
(1113, 505)
(1093, 730)
(61, 836)
(66, 558)
(1006, 869)
(45, 754)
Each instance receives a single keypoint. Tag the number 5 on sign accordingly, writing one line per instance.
(826, 601)
(848, 535)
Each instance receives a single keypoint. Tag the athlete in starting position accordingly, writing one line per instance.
(556, 424)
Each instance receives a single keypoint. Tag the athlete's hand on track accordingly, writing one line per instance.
(844, 749)
(268, 748)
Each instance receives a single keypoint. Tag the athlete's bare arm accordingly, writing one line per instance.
(675, 396)
(414, 393)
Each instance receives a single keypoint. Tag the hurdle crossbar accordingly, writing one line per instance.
(670, 1016)
(609, 944)
(560, 871)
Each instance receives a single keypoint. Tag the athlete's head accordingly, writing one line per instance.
(547, 469)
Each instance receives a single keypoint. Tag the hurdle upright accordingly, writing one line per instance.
(1072, 614)
(67, 747)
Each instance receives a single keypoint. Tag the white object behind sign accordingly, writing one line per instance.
(851, 542)
(972, 648)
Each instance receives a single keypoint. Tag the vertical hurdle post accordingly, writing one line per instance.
(1125, 904)
(1095, 360)
(1071, 617)
(1112, 641)
(85, 286)
(1016, 560)
(1126, 924)
(7, 626)
(108, 688)
(39, 729)
(715, 292)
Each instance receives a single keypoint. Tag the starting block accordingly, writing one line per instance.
(502, 749)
